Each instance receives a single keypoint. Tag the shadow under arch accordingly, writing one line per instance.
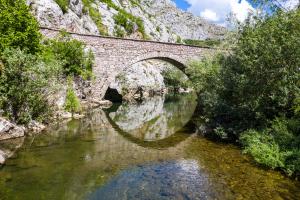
(170, 141)
(172, 59)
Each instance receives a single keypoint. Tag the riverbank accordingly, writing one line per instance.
(10, 132)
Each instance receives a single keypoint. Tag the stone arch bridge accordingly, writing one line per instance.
(113, 55)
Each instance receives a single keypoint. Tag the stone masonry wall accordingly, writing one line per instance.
(114, 55)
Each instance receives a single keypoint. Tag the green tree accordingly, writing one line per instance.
(18, 28)
(77, 61)
(261, 77)
(72, 103)
(25, 84)
(175, 79)
(251, 94)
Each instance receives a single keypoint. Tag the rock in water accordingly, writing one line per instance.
(9, 130)
(35, 127)
(2, 158)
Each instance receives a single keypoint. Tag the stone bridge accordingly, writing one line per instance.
(113, 55)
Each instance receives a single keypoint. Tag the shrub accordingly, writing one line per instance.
(63, 4)
(118, 32)
(203, 43)
(263, 148)
(95, 15)
(121, 19)
(18, 28)
(158, 29)
(175, 79)
(276, 147)
(25, 84)
(205, 78)
(72, 53)
(72, 103)
(97, 18)
(258, 80)
(127, 20)
(178, 39)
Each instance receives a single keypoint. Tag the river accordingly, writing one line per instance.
(143, 151)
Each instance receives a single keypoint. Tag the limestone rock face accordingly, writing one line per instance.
(145, 75)
(9, 130)
(162, 20)
(49, 14)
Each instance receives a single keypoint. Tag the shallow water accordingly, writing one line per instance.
(144, 151)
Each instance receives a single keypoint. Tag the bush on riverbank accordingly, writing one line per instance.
(29, 69)
(72, 103)
(75, 59)
(252, 94)
(24, 86)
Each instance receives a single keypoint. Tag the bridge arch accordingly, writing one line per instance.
(175, 60)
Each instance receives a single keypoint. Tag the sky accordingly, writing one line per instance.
(217, 11)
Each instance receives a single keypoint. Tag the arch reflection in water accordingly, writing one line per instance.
(155, 119)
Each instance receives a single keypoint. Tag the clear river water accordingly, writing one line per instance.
(146, 151)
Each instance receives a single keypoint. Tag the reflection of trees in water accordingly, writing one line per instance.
(155, 119)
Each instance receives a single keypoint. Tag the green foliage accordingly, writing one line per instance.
(95, 15)
(135, 2)
(63, 4)
(25, 83)
(259, 79)
(18, 28)
(119, 32)
(178, 39)
(276, 147)
(72, 103)
(252, 92)
(76, 60)
(158, 29)
(126, 20)
(263, 148)
(121, 19)
(97, 18)
(203, 43)
(175, 79)
(205, 78)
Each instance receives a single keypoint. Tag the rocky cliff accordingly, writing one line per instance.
(157, 20)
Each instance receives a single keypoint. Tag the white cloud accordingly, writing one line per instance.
(289, 4)
(210, 15)
(217, 10)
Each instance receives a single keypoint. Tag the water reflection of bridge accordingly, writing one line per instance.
(154, 120)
